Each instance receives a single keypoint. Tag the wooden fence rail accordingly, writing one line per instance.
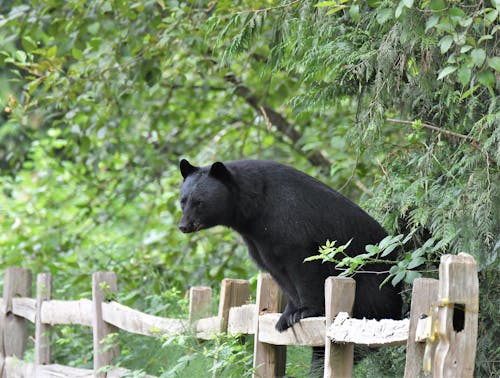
(440, 335)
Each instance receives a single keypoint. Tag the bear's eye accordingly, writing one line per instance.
(183, 203)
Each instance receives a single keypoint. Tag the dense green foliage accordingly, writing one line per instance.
(394, 103)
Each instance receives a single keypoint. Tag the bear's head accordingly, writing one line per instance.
(206, 197)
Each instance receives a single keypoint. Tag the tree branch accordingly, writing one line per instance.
(272, 117)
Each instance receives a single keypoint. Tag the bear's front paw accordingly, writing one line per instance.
(286, 319)
(282, 323)
(293, 315)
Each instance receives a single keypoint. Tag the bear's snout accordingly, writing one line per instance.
(188, 227)
(185, 228)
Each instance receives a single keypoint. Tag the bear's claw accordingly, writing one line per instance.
(293, 315)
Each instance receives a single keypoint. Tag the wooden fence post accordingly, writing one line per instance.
(103, 283)
(13, 329)
(339, 297)
(424, 295)
(200, 300)
(457, 317)
(233, 293)
(42, 331)
(269, 360)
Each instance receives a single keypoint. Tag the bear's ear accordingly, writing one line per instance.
(186, 168)
(219, 171)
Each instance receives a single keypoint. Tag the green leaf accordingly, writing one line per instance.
(490, 17)
(20, 56)
(465, 48)
(487, 78)
(437, 5)
(76, 53)
(336, 9)
(456, 12)
(384, 15)
(431, 22)
(478, 56)
(398, 277)
(28, 43)
(445, 43)
(486, 37)
(354, 12)
(399, 9)
(464, 74)
(33, 85)
(465, 22)
(313, 258)
(388, 240)
(411, 276)
(372, 249)
(446, 71)
(469, 92)
(94, 28)
(389, 249)
(416, 262)
(52, 52)
(494, 63)
(323, 4)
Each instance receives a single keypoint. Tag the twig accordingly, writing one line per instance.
(317, 158)
(384, 171)
(266, 118)
(473, 142)
(435, 128)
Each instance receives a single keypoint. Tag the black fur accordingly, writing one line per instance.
(284, 215)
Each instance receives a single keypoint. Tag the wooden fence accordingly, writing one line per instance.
(440, 334)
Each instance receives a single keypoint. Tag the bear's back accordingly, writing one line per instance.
(296, 205)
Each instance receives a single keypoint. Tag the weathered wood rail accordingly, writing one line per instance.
(440, 334)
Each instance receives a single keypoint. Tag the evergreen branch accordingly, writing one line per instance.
(276, 119)
(282, 6)
(435, 128)
(473, 142)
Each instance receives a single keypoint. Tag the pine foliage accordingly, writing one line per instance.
(423, 79)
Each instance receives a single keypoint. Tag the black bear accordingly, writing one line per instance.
(284, 215)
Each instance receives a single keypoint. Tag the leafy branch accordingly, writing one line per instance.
(401, 269)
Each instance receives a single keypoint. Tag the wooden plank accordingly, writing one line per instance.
(25, 308)
(308, 332)
(233, 293)
(42, 331)
(13, 329)
(67, 312)
(206, 328)
(134, 321)
(103, 284)
(19, 369)
(424, 294)
(268, 360)
(370, 332)
(200, 301)
(242, 319)
(339, 297)
(457, 317)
